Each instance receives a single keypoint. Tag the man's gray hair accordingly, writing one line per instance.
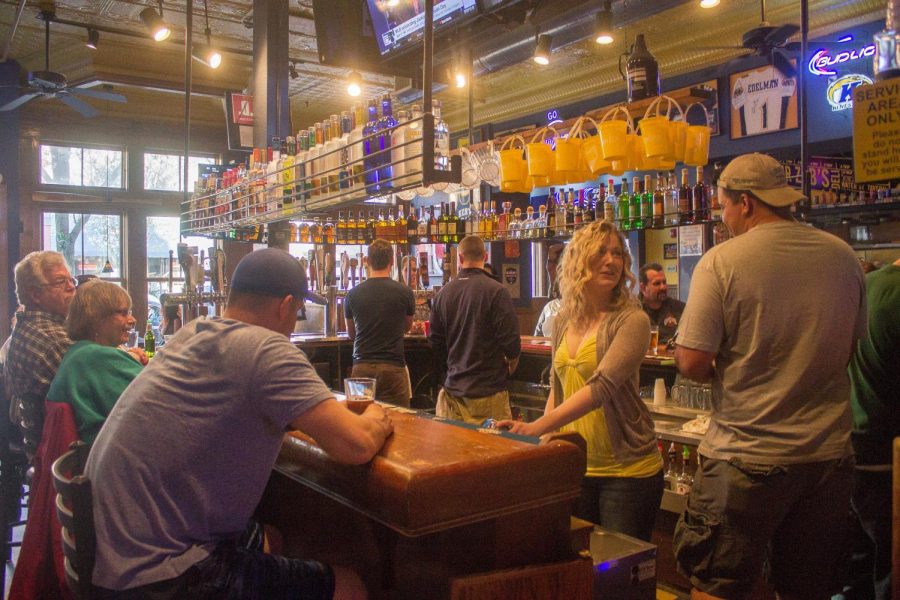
(30, 272)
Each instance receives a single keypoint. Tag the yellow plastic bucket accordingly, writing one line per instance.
(617, 168)
(655, 132)
(612, 139)
(539, 155)
(696, 145)
(678, 137)
(512, 163)
(568, 149)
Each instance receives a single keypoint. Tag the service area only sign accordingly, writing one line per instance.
(876, 131)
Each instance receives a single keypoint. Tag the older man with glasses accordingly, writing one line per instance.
(46, 288)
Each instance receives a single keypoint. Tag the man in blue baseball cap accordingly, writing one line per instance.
(183, 458)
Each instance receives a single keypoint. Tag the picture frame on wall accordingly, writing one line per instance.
(670, 251)
(763, 100)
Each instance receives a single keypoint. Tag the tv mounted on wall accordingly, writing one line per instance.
(399, 24)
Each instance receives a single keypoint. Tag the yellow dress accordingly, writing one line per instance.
(573, 372)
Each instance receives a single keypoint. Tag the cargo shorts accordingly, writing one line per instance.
(473, 410)
(788, 522)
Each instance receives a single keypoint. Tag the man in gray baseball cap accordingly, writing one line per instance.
(772, 318)
(190, 444)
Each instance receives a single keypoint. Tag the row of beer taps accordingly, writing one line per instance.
(319, 264)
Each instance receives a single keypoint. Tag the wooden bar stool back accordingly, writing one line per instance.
(74, 510)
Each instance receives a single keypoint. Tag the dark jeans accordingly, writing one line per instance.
(870, 530)
(624, 504)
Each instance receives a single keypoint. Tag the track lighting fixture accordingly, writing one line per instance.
(154, 23)
(604, 34)
(542, 49)
(206, 53)
(708, 3)
(93, 39)
(354, 84)
(292, 71)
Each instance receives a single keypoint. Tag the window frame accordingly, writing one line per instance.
(122, 150)
(122, 278)
(158, 152)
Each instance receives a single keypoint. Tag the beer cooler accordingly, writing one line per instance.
(624, 567)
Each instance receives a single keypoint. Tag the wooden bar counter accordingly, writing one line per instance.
(440, 502)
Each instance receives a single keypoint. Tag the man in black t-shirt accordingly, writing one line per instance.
(662, 310)
(379, 312)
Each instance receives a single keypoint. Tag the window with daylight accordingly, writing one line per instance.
(91, 243)
(82, 167)
(163, 172)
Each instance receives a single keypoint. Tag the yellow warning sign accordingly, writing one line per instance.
(876, 131)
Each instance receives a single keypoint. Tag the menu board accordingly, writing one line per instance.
(832, 182)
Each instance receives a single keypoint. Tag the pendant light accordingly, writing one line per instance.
(107, 266)
(542, 49)
(206, 53)
(708, 3)
(354, 84)
(604, 33)
(154, 23)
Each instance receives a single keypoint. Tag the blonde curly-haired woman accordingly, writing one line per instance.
(599, 340)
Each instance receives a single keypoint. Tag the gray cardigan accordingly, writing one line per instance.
(622, 341)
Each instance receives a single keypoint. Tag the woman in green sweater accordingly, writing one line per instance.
(95, 371)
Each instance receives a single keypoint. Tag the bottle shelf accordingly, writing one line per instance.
(826, 210)
(326, 181)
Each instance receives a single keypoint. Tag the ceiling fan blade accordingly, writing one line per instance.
(783, 64)
(19, 101)
(780, 35)
(792, 47)
(87, 111)
(98, 94)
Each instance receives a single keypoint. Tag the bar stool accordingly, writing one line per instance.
(74, 509)
(14, 479)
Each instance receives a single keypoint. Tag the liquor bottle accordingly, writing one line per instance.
(671, 217)
(670, 477)
(300, 169)
(574, 211)
(561, 213)
(149, 341)
(685, 214)
(381, 226)
(273, 181)
(609, 204)
(390, 230)
(494, 229)
(570, 211)
(370, 148)
(641, 72)
(345, 180)
(462, 224)
(385, 128)
(634, 205)
(328, 233)
(398, 149)
(412, 227)
(550, 216)
(333, 154)
(357, 152)
(659, 202)
(647, 203)
(514, 225)
(304, 232)
(341, 228)
(287, 174)
(441, 138)
(600, 203)
(453, 225)
(684, 481)
(588, 211)
(541, 224)
(699, 202)
(434, 234)
(623, 213)
(401, 226)
(503, 221)
(530, 227)
(422, 232)
(370, 228)
(360, 228)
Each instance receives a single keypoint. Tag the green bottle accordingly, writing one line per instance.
(149, 341)
(623, 216)
(647, 203)
(635, 204)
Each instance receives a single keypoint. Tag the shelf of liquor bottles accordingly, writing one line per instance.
(345, 164)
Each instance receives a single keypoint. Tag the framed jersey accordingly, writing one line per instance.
(763, 100)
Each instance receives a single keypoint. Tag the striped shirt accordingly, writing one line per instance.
(36, 348)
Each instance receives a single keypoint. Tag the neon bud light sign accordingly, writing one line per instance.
(822, 61)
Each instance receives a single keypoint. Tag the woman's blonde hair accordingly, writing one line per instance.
(574, 272)
(94, 301)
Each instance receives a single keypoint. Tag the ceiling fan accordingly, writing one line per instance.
(769, 41)
(49, 84)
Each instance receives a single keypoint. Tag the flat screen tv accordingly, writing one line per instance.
(398, 24)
